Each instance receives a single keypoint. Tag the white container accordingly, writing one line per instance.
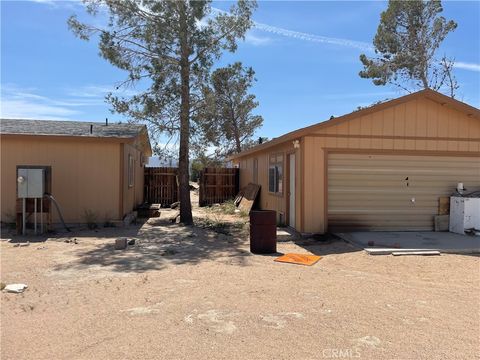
(464, 214)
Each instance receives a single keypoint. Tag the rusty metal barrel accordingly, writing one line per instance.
(263, 231)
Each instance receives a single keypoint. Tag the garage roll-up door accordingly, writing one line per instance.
(393, 192)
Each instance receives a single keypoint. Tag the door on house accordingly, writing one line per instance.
(291, 190)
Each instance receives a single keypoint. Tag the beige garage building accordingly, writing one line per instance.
(93, 167)
(380, 168)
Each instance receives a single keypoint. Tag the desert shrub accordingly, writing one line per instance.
(215, 223)
(90, 219)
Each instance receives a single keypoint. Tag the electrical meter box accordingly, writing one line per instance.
(31, 183)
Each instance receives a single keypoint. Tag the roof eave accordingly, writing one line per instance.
(436, 96)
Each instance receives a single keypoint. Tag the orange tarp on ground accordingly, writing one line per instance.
(300, 259)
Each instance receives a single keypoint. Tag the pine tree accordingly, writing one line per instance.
(407, 39)
(168, 47)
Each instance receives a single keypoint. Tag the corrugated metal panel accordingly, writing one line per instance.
(375, 192)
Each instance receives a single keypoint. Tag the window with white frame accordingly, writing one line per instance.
(275, 174)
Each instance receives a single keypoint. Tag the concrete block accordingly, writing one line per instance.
(121, 243)
(130, 218)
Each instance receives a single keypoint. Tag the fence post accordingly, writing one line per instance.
(201, 189)
(237, 180)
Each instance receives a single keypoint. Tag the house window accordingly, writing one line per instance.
(131, 170)
(255, 171)
(275, 174)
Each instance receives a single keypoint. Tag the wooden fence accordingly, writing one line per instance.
(161, 185)
(217, 185)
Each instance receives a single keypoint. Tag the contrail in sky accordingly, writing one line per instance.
(315, 38)
(307, 37)
(361, 45)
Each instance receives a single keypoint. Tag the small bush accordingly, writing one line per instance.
(226, 208)
(218, 225)
(229, 207)
(90, 219)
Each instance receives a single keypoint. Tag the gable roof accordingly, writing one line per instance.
(69, 128)
(427, 93)
(80, 129)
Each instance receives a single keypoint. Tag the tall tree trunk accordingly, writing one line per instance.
(238, 143)
(236, 132)
(183, 164)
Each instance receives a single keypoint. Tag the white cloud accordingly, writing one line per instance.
(89, 91)
(17, 102)
(467, 66)
(29, 103)
(99, 91)
(67, 4)
(256, 40)
(47, 2)
(25, 109)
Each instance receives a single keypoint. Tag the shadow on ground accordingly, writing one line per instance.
(322, 244)
(60, 234)
(159, 244)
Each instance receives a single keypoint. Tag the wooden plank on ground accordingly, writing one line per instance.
(423, 253)
(250, 193)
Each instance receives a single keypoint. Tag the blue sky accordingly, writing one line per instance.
(305, 55)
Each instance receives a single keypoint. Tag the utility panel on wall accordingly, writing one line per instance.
(30, 183)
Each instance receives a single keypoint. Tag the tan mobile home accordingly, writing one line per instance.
(380, 168)
(95, 167)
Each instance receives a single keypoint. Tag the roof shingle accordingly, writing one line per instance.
(68, 128)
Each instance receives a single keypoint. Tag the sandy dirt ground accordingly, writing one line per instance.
(192, 293)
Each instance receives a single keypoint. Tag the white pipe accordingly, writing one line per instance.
(35, 215)
(23, 217)
(41, 215)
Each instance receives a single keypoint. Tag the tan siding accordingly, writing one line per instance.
(84, 174)
(418, 118)
(267, 200)
(132, 196)
(314, 185)
(419, 126)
